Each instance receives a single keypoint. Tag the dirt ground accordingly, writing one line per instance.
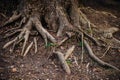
(45, 66)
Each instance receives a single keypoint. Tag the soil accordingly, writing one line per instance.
(44, 65)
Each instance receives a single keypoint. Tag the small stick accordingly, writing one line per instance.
(36, 48)
(28, 48)
(69, 52)
(108, 48)
(63, 62)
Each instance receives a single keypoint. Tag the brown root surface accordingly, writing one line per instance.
(56, 29)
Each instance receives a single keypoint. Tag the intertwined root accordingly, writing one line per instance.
(78, 19)
(24, 35)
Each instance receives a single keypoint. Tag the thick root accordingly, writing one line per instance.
(63, 21)
(45, 34)
(63, 62)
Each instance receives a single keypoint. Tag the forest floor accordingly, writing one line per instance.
(44, 66)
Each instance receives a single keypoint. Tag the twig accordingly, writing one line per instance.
(108, 48)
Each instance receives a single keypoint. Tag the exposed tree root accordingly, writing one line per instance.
(108, 48)
(69, 35)
(28, 48)
(12, 19)
(96, 58)
(69, 51)
(63, 57)
(63, 21)
(42, 31)
(78, 22)
(35, 42)
(63, 62)
(24, 34)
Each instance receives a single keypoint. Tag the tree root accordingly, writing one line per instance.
(13, 33)
(108, 48)
(63, 58)
(90, 52)
(12, 19)
(35, 42)
(63, 21)
(77, 18)
(63, 62)
(69, 35)
(28, 48)
(24, 35)
(69, 51)
(42, 31)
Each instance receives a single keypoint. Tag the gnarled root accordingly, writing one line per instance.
(45, 34)
(63, 21)
(24, 34)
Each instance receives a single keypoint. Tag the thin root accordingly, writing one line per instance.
(92, 55)
(9, 43)
(108, 48)
(12, 19)
(28, 49)
(11, 34)
(35, 42)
